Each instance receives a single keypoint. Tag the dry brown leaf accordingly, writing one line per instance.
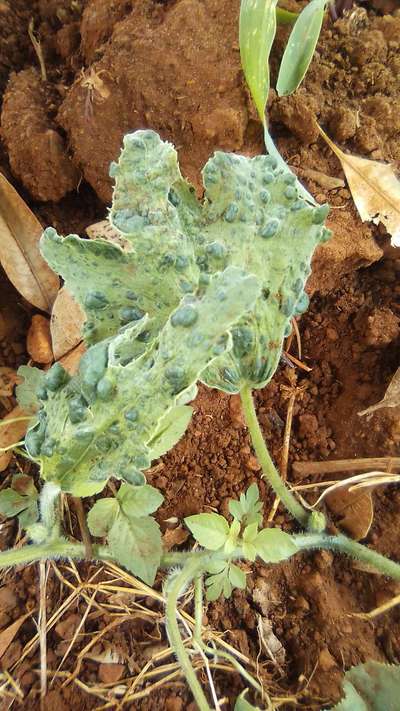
(38, 341)
(175, 537)
(7, 635)
(374, 187)
(104, 230)
(67, 319)
(355, 509)
(72, 359)
(391, 397)
(272, 645)
(11, 434)
(8, 379)
(327, 182)
(20, 232)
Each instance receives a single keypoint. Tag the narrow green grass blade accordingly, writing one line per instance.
(257, 28)
(285, 17)
(300, 47)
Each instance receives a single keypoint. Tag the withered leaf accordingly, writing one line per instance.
(8, 379)
(67, 319)
(20, 257)
(7, 635)
(104, 230)
(72, 359)
(391, 397)
(355, 510)
(11, 433)
(374, 187)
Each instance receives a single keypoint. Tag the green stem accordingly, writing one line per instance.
(198, 606)
(268, 467)
(342, 544)
(191, 570)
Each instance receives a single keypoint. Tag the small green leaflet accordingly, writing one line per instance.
(26, 391)
(274, 545)
(102, 516)
(170, 430)
(243, 705)
(210, 530)
(371, 687)
(249, 507)
(257, 28)
(300, 47)
(222, 581)
(20, 500)
(134, 537)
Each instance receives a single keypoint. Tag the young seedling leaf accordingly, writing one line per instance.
(26, 391)
(237, 577)
(11, 503)
(139, 501)
(274, 545)
(391, 397)
(248, 509)
(374, 187)
(373, 686)
(66, 324)
(243, 705)
(20, 232)
(102, 516)
(136, 544)
(172, 427)
(257, 28)
(20, 500)
(210, 530)
(300, 47)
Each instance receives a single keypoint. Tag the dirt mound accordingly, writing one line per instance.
(175, 69)
(36, 150)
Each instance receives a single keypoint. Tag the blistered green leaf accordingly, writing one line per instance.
(26, 391)
(300, 47)
(139, 500)
(371, 687)
(116, 287)
(254, 217)
(102, 516)
(171, 428)
(99, 423)
(257, 28)
(136, 544)
(210, 530)
(274, 545)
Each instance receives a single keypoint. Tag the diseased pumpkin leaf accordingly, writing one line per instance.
(372, 686)
(99, 423)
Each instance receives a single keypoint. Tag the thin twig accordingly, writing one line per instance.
(298, 362)
(43, 631)
(87, 541)
(38, 50)
(285, 449)
(391, 464)
(377, 610)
